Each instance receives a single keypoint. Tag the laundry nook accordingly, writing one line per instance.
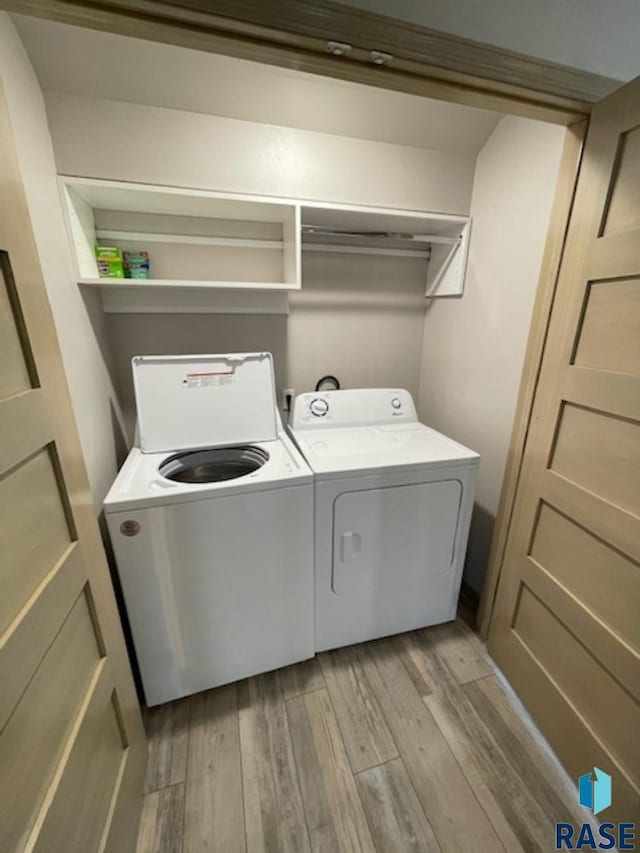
(320, 426)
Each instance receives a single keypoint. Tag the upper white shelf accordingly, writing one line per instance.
(213, 242)
(195, 238)
(441, 239)
(176, 284)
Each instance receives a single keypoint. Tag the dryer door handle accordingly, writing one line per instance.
(350, 545)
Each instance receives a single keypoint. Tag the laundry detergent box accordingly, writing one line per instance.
(109, 260)
(136, 264)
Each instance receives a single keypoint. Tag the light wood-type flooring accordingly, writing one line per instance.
(403, 745)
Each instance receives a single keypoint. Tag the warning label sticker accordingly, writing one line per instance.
(207, 380)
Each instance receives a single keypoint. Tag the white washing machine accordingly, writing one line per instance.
(393, 502)
(211, 520)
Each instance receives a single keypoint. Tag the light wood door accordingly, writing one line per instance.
(566, 626)
(72, 747)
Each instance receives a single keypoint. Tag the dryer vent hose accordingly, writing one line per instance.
(330, 383)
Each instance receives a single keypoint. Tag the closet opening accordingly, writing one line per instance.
(384, 238)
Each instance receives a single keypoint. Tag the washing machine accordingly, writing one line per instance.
(211, 520)
(393, 503)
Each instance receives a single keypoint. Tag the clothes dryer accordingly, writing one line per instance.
(393, 503)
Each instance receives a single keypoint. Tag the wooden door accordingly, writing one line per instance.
(72, 747)
(566, 625)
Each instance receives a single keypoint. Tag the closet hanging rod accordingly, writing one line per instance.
(329, 231)
(367, 250)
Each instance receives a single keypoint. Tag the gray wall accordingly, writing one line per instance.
(188, 149)
(359, 317)
(474, 346)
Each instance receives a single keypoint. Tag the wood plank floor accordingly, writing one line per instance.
(404, 745)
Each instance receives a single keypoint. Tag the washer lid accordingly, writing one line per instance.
(190, 401)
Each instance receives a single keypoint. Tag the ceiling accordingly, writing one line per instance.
(601, 36)
(86, 62)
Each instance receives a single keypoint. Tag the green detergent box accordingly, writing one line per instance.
(109, 260)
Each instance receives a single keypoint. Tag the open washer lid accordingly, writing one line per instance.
(186, 402)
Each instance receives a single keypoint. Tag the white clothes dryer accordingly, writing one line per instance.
(393, 503)
(211, 520)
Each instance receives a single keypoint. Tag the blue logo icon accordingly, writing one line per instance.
(595, 794)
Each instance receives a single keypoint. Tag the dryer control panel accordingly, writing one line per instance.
(352, 408)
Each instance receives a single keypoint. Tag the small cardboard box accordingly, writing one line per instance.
(109, 260)
(136, 264)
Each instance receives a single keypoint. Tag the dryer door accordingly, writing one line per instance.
(389, 537)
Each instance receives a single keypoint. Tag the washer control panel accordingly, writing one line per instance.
(353, 408)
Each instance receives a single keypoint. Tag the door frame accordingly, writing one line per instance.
(299, 34)
(295, 33)
(545, 292)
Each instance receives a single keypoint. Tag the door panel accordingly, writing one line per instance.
(575, 558)
(566, 625)
(544, 634)
(72, 749)
(608, 337)
(79, 815)
(15, 375)
(29, 751)
(597, 450)
(35, 530)
(393, 536)
(622, 211)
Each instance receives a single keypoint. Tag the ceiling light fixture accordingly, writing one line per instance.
(338, 48)
(378, 57)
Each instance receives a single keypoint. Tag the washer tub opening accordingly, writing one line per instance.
(213, 465)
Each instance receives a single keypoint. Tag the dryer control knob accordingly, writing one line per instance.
(396, 403)
(318, 407)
